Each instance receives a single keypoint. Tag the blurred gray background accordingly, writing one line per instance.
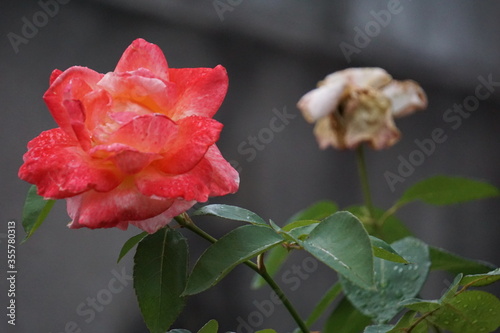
(274, 52)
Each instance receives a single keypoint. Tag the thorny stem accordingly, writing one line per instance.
(363, 177)
(185, 221)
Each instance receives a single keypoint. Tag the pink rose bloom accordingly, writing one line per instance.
(133, 146)
(359, 105)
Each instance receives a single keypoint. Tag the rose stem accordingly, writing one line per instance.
(185, 221)
(363, 177)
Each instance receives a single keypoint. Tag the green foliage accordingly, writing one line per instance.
(479, 280)
(466, 311)
(316, 211)
(211, 327)
(273, 261)
(35, 211)
(160, 274)
(383, 250)
(409, 321)
(341, 242)
(394, 282)
(234, 248)
(447, 261)
(129, 244)
(445, 190)
(231, 213)
(301, 223)
(390, 231)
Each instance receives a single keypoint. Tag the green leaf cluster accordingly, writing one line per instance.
(381, 266)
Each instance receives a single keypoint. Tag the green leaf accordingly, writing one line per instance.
(179, 330)
(267, 330)
(303, 221)
(324, 303)
(444, 190)
(129, 244)
(378, 328)
(232, 249)
(409, 319)
(300, 224)
(35, 211)
(276, 256)
(346, 318)
(302, 232)
(273, 261)
(231, 213)
(384, 251)
(469, 312)
(341, 242)
(479, 280)
(394, 282)
(317, 211)
(160, 274)
(211, 327)
(447, 261)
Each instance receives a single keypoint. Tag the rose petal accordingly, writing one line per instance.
(54, 75)
(365, 77)
(128, 160)
(406, 97)
(76, 115)
(139, 87)
(330, 132)
(98, 106)
(73, 84)
(106, 210)
(154, 224)
(224, 179)
(195, 135)
(60, 168)
(212, 176)
(368, 118)
(141, 54)
(201, 90)
(321, 101)
(148, 133)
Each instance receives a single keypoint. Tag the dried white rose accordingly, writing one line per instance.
(358, 105)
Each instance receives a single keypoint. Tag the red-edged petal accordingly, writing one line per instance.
(201, 90)
(141, 54)
(128, 160)
(71, 85)
(76, 114)
(60, 168)
(54, 75)
(148, 133)
(212, 176)
(195, 136)
(154, 224)
(115, 208)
